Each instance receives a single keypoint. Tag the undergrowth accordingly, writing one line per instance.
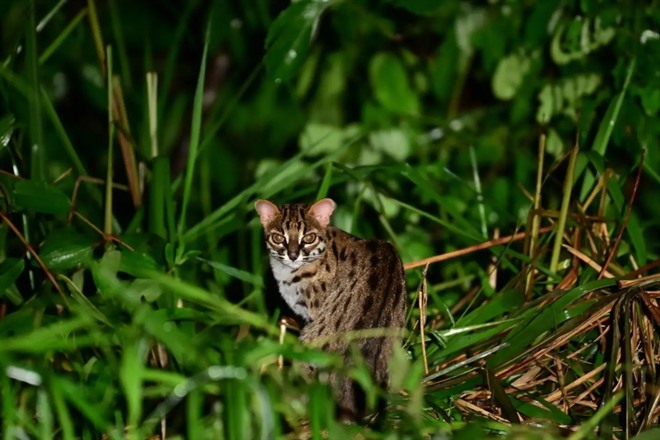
(509, 151)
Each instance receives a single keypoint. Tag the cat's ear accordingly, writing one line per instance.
(322, 210)
(267, 211)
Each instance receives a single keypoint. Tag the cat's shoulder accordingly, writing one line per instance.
(368, 245)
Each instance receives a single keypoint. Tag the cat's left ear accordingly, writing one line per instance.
(267, 211)
(322, 210)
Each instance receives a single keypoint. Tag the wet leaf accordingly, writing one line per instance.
(66, 249)
(41, 197)
(289, 38)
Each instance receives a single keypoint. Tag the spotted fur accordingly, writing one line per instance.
(337, 284)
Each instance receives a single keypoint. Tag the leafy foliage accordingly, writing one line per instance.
(135, 299)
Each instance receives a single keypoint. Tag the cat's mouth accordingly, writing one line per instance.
(284, 259)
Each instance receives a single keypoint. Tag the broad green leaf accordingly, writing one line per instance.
(320, 138)
(147, 290)
(41, 197)
(509, 75)
(390, 84)
(392, 141)
(65, 249)
(10, 270)
(650, 101)
(564, 97)
(289, 38)
(136, 262)
(592, 36)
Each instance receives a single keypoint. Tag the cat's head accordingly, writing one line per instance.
(295, 233)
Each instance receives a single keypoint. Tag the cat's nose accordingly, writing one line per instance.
(293, 255)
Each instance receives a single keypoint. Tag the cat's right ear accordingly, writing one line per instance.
(322, 210)
(267, 211)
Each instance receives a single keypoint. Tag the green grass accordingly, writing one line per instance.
(135, 300)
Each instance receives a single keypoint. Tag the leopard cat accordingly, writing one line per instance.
(338, 284)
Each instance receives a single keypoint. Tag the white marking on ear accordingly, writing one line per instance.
(267, 211)
(322, 210)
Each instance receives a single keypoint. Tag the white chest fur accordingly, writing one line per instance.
(289, 290)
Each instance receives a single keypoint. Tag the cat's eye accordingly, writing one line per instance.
(277, 238)
(309, 238)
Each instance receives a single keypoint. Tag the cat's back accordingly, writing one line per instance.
(372, 271)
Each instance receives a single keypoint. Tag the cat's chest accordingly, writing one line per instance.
(290, 284)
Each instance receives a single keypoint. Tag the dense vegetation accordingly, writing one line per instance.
(135, 298)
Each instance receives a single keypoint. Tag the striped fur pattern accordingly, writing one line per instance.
(337, 284)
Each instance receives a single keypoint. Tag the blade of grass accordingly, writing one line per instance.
(548, 317)
(588, 427)
(273, 181)
(212, 131)
(62, 411)
(171, 66)
(64, 137)
(96, 35)
(120, 42)
(159, 190)
(9, 400)
(325, 183)
(130, 375)
(500, 396)
(635, 233)
(125, 142)
(194, 403)
(46, 54)
(37, 151)
(223, 308)
(50, 337)
(605, 131)
(45, 415)
(563, 214)
(107, 224)
(193, 146)
(477, 188)
(536, 219)
(76, 395)
(152, 108)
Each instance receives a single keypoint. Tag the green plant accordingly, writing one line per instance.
(134, 296)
